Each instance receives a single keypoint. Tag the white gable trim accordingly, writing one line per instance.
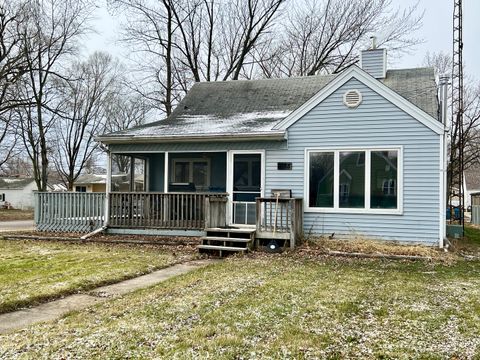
(377, 86)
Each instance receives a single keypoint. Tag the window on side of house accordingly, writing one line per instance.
(80, 189)
(321, 179)
(352, 175)
(360, 180)
(384, 173)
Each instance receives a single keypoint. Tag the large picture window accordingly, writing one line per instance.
(357, 180)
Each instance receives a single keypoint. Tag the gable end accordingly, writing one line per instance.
(375, 85)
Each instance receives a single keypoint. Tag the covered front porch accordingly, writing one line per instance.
(218, 195)
(186, 190)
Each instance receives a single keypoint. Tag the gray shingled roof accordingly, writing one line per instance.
(417, 86)
(256, 106)
(13, 183)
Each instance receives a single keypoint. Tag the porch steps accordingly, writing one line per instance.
(220, 240)
(221, 248)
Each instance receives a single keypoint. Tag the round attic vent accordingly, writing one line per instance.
(352, 98)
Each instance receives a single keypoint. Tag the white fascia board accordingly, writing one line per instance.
(377, 86)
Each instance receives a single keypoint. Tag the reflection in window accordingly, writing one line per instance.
(383, 170)
(321, 179)
(200, 173)
(352, 175)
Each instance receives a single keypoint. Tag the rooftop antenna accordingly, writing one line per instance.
(457, 143)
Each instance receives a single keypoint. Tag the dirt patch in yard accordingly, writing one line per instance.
(15, 214)
(107, 238)
(322, 246)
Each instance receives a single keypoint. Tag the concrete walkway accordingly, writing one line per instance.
(56, 309)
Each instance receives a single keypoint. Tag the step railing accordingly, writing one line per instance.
(279, 218)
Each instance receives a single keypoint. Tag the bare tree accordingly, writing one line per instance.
(81, 109)
(17, 166)
(149, 32)
(184, 41)
(12, 68)
(47, 38)
(326, 36)
(124, 111)
(442, 63)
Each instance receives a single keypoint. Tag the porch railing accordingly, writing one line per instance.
(280, 218)
(69, 211)
(160, 210)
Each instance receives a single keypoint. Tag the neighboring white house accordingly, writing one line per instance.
(471, 184)
(17, 192)
(97, 183)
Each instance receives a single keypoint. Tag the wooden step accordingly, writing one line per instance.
(232, 230)
(221, 248)
(220, 238)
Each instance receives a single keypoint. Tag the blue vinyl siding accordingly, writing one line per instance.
(376, 122)
(373, 62)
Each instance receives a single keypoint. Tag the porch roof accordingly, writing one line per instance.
(251, 108)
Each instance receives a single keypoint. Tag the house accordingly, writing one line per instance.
(471, 184)
(97, 183)
(359, 153)
(17, 192)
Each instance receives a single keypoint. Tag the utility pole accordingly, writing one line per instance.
(457, 144)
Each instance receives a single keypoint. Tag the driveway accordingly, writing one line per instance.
(17, 225)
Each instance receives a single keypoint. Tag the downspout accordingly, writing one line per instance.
(444, 82)
(108, 188)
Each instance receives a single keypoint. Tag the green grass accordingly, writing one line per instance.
(277, 307)
(33, 272)
(472, 235)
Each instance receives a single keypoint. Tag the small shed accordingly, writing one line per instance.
(475, 197)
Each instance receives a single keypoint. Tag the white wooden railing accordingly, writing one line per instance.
(69, 211)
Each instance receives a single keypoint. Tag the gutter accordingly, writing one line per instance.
(132, 139)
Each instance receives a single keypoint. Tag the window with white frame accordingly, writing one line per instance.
(196, 171)
(353, 180)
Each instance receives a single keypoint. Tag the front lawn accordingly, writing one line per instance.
(278, 306)
(34, 271)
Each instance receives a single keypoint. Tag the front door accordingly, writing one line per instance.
(246, 186)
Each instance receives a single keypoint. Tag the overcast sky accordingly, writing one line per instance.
(436, 31)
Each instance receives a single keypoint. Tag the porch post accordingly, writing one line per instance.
(108, 189)
(165, 173)
(132, 173)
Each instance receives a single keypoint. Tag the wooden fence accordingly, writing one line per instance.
(185, 211)
(69, 211)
